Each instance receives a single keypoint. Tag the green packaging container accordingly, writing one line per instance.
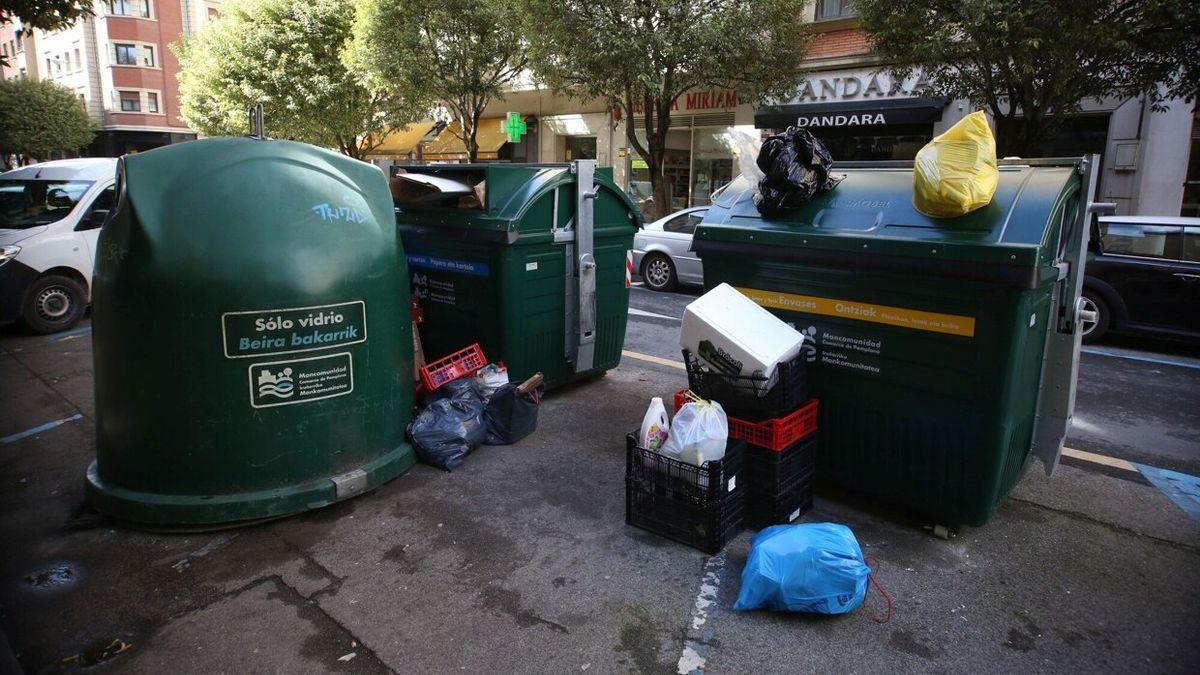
(535, 272)
(944, 351)
(252, 337)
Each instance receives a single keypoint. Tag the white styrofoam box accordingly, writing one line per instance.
(744, 338)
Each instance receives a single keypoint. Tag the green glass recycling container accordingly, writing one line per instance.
(252, 335)
(926, 338)
(530, 261)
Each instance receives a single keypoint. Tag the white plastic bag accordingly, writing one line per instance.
(490, 378)
(698, 433)
(746, 147)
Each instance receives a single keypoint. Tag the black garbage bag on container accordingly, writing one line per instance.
(795, 166)
(450, 426)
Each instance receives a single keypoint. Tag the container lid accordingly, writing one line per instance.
(490, 200)
(870, 216)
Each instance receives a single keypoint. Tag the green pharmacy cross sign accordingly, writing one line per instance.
(514, 127)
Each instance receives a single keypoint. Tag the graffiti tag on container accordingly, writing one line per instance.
(347, 213)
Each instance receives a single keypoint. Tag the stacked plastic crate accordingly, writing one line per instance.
(778, 422)
(701, 506)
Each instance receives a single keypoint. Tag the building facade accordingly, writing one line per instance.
(119, 63)
(1151, 161)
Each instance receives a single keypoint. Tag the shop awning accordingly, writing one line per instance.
(400, 142)
(851, 113)
(448, 146)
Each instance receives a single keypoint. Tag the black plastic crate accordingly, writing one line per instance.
(751, 397)
(764, 510)
(774, 472)
(704, 485)
(707, 527)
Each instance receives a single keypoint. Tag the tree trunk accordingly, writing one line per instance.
(659, 188)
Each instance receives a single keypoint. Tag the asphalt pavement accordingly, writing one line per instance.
(520, 561)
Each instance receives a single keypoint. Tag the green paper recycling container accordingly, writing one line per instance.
(529, 260)
(943, 351)
(252, 335)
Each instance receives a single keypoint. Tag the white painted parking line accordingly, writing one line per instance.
(700, 633)
(1134, 356)
(641, 312)
(39, 429)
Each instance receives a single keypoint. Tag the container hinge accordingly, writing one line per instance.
(349, 484)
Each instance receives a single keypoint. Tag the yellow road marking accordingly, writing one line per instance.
(1098, 459)
(1068, 452)
(653, 359)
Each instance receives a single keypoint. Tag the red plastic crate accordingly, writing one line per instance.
(460, 363)
(776, 433)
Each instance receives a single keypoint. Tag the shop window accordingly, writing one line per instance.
(152, 102)
(833, 9)
(712, 164)
(580, 147)
(1076, 136)
(126, 54)
(130, 101)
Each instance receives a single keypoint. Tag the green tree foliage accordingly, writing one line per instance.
(457, 54)
(639, 55)
(40, 118)
(288, 55)
(44, 14)
(1030, 62)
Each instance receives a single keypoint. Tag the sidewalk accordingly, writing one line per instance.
(521, 561)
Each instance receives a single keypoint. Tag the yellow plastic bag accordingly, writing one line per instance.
(956, 173)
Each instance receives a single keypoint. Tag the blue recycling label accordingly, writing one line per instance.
(429, 262)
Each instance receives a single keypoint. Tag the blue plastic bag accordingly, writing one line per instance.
(814, 567)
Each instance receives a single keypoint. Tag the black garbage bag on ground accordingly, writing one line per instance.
(511, 415)
(795, 166)
(450, 426)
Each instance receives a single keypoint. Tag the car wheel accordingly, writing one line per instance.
(53, 303)
(659, 272)
(1094, 330)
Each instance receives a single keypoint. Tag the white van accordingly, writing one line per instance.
(50, 217)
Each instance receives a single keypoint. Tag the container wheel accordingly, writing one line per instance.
(659, 272)
(1094, 330)
(53, 303)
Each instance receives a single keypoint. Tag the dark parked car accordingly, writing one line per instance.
(1144, 277)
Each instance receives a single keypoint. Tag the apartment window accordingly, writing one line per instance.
(833, 9)
(4, 50)
(152, 102)
(67, 60)
(148, 56)
(47, 65)
(213, 13)
(78, 61)
(129, 7)
(19, 45)
(126, 54)
(131, 101)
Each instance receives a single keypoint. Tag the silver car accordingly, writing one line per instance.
(661, 250)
